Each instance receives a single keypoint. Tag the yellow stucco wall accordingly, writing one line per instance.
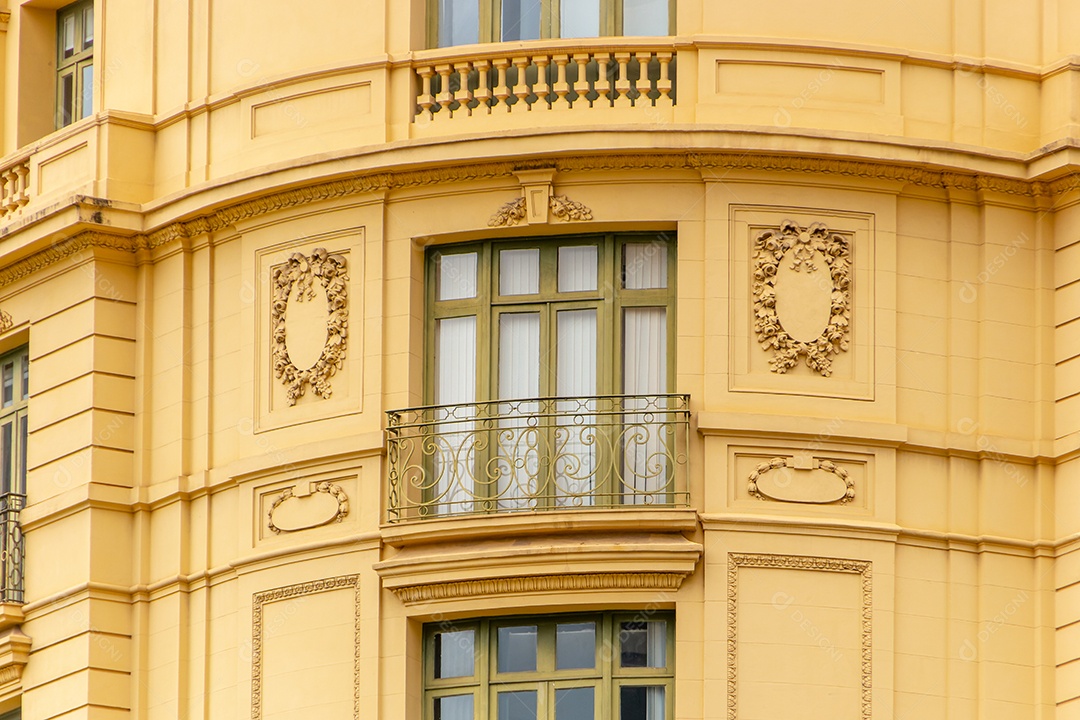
(137, 254)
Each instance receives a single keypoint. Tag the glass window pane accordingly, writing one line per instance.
(67, 35)
(20, 478)
(576, 353)
(459, 22)
(645, 17)
(9, 383)
(25, 377)
(519, 705)
(519, 272)
(455, 360)
(644, 266)
(641, 703)
(5, 458)
(88, 27)
(579, 18)
(519, 355)
(67, 98)
(575, 647)
(643, 644)
(454, 654)
(574, 703)
(577, 268)
(456, 276)
(645, 351)
(517, 650)
(86, 106)
(454, 707)
(520, 20)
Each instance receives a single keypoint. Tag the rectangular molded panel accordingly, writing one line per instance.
(812, 83)
(310, 110)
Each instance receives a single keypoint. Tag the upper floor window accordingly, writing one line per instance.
(74, 62)
(561, 667)
(14, 395)
(463, 22)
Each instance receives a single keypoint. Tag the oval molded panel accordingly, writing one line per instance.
(305, 326)
(801, 486)
(299, 513)
(803, 296)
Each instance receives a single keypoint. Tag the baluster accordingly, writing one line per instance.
(10, 191)
(4, 194)
(483, 93)
(502, 88)
(581, 85)
(445, 96)
(541, 89)
(561, 86)
(663, 85)
(643, 85)
(425, 100)
(24, 184)
(622, 84)
(522, 89)
(603, 82)
(463, 95)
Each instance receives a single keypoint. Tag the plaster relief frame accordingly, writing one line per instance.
(846, 348)
(300, 272)
(863, 568)
(260, 599)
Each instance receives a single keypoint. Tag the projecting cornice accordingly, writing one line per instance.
(395, 180)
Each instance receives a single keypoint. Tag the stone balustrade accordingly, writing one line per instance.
(564, 79)
(14, 186)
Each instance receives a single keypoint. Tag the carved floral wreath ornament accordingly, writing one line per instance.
(802, 246)
(301, 272)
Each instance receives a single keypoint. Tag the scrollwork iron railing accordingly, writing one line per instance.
(11, 554)
(538, 454)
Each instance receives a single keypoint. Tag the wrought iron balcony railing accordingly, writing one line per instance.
(538, 454)
(11, 554)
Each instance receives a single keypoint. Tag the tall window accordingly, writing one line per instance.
(462, 22)
(14, 393)
(560, 667)
(74, 62)
(554, 357)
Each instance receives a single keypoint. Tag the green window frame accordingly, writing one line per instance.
(74, 62)
(587, 666)
(14, 399)
(610, 298)
(463, 22)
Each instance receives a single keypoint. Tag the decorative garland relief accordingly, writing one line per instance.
(311, 519)
(301, 272)
(814, 481)
(813, 250)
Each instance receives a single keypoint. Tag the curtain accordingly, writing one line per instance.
(575, 436)
(645, 17)
(459, 22)
(454, 463)
(519, 377)
(579, 19)
(645, 472)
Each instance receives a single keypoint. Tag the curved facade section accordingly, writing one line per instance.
(717, 363)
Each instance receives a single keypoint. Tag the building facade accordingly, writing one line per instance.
(637, 359)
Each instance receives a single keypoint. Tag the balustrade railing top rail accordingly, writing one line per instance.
(538, 454)
(529, 79)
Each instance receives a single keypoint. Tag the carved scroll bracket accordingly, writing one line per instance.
(537, 202)
(6, 323)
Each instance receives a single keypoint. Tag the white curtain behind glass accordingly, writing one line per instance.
(645, 17)
(575, 369)
(644, 373)
(519, 377)
(455, 385)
